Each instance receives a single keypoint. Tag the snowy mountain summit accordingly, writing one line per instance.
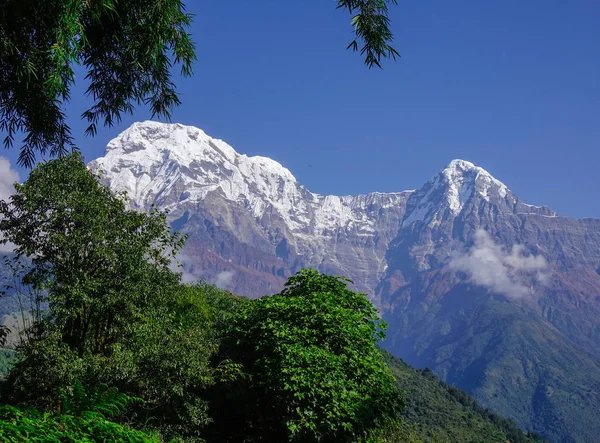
(152, 161)
(203, 181)
(208, 187)
(167, 164)
(452, 189)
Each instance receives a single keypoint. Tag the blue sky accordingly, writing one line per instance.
(513, 86)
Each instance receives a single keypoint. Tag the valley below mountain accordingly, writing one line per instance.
(496, 296)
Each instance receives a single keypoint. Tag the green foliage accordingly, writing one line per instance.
(102, 268)
(443, 413)
(168, 362)
(127, 48)
(83, 418)
(393, 431)
(117, 315)
(107, 401)
(20, 425)
(312, 370)
(88, 253)
(372, 27)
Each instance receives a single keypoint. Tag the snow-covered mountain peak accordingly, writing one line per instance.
(149, 160)
(186, 144)
(451, 189)
(458, 171)
(463, 178)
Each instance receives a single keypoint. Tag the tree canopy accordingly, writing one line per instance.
(312, 370)
(127, 49)
(86, 250)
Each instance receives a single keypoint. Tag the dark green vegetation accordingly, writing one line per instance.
(83, 418)
(29, 425)
(312, 368)
(371, 25)
(193, 362)
(127, 49)
(509, 358)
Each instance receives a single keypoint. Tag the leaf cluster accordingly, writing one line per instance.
(83, 417)
(19, 425)
(107, 401)
(372, 27)
(127, 48)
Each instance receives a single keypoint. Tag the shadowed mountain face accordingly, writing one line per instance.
(497, 296)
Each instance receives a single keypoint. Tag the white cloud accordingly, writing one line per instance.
(191, 275)
(179, 265)
(8, 177)
(502, 271)
(224, 279)
(187, 277)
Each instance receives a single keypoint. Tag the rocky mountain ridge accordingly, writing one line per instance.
(186, 172)
(249, 202)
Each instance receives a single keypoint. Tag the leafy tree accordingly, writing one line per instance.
(311, 367)
(117, 314)
(100, 266)
(127, 49)
(168, 362)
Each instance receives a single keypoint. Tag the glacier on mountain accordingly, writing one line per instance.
(149, 159)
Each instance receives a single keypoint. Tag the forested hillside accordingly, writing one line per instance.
(440, 412)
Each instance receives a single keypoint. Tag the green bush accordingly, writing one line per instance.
(311, 369)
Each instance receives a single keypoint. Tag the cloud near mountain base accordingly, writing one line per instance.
(507, 272)
(224, 279)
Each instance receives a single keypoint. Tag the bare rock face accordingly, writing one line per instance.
(497, 296)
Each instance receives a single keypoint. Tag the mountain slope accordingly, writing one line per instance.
(497, 296)
(524, 344)
(445, 413)
(506, 356)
